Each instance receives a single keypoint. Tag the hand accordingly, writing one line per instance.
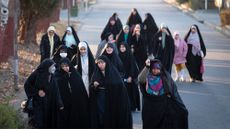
(41, 93)
(129, 79)
(61, 108)
(95, 83)
(147, 62)
(132, 50)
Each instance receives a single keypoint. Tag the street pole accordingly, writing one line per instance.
(206, 4)
(68, 6)
(15, 60)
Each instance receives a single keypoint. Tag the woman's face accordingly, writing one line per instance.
(156, 71)
(65, 67)
(68, 32)
(134, 12)
(177, 36)
(101, 64)
(193, 29)
(109, 50)
(110, 38)
(126, 30)
(82, 50)
(122, 48)
(112, 22)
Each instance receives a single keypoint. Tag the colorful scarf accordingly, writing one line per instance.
(154, 85)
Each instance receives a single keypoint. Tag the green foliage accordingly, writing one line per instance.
(9, 118)
(196, 4)
(74, 11)
(182, 1)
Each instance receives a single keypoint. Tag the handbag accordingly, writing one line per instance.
(202, 66)
(27, 105)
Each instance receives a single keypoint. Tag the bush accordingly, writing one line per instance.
(182, 1)
(196, 4)
(74, 11)
(9, 118)
(225, 17)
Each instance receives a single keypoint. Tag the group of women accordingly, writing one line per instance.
(71, 88)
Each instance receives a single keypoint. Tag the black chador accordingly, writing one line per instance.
(59, 54)
(84, 63)
(71, 40)
(130, 77)
(109, 98)
(42, 87)
(164, 47)
(138, 47)
(111, 27)
(133, 19)
(117, 20)
(76, 113)
(149, 30)
(162, 104)
(196, 53)
(124, 36)
(109, 52)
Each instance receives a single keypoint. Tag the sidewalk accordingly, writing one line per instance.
(208, 17)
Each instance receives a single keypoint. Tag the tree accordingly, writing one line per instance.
(31, 12)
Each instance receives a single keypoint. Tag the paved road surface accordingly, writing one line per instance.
(207, 102)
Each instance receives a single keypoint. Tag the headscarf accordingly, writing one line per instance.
(194, 40)
(176, 41)
(154, 83)
(69, 38)
(51, 28)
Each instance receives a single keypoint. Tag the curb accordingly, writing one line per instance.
(191, 13)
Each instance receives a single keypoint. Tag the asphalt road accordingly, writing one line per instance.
(207, 102)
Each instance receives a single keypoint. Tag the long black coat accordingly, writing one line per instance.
(166, 54)
(45, 109)
(45, 46)
(76, 113)
(117, 113)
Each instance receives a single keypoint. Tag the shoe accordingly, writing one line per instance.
(192, 80)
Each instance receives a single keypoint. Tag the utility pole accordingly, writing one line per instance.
(68, 6)
(206, 4)
(15, 60)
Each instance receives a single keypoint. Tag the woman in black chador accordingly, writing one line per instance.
(196, 53)
(59, 54)
(111, 27)
(149, 30)
(117, 20)
(138, 47)
(71, 40)
(84, 62)
(162, 104)
(42, 87)
(109, 98)
(130, 77)
(133, 19)
(164, 47)
(74, 97)
(109, 52)
(124, 36)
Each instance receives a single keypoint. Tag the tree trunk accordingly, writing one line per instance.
(30, 31)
